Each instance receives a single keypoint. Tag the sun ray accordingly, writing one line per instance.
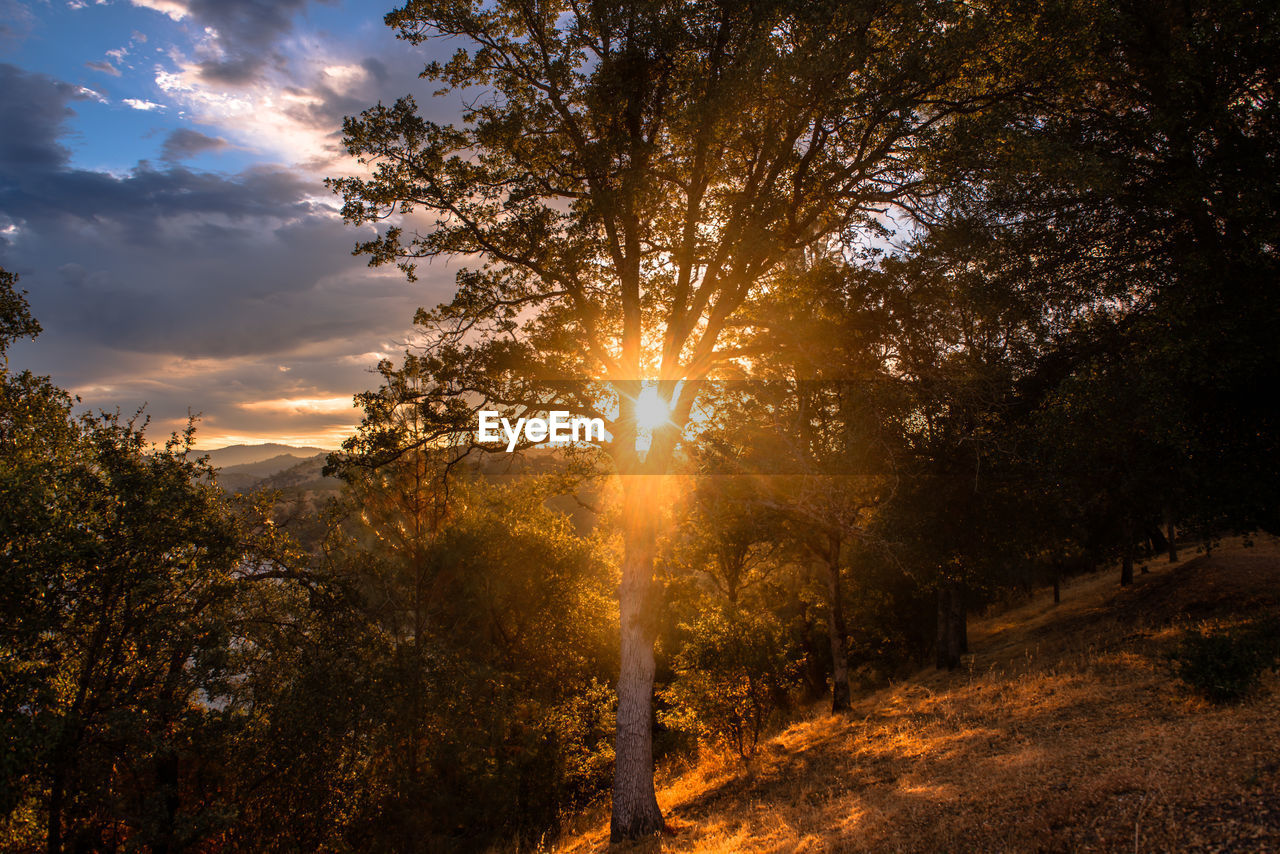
(651, 410)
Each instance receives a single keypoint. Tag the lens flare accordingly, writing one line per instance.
(651, 409)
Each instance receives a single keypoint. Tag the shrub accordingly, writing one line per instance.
(732, 673)
(1227, 666)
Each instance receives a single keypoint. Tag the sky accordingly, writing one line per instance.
(162, 199)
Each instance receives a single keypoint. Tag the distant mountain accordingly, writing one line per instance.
(306, 476)
(293, 473)
(266, 468)
(245, 468)
(240, 455)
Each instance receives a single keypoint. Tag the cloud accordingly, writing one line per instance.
(173, 8)
(302, 406)
(184, 143)
(273, 86)
(186, 289)
(295, 112)
(295, 116)
(241, 36)
(104, 67)
(16, 22)
(34, 109)
(231, 394)
(145, 106)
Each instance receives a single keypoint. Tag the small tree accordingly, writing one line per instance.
(731, 672)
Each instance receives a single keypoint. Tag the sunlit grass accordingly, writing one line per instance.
(1065, 731)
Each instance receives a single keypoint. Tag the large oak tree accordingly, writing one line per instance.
(624, 177)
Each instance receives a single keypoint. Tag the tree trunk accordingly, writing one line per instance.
(1159, 542)
(167, 788)
(944, 612)
(635, 804)
(950, 626)
(953, 634)
(840, 695)
(68, 744)
(815, 672)
(1057, 585)
(1171, 537)
(53, 825)
(1126, 564)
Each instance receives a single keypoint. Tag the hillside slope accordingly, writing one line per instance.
(1065, 732)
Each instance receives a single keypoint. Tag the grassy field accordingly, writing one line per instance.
(1065, 731)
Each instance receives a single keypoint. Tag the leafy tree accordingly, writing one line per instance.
(814, 415)
(733, 670)
(634, 174)
(1146, 176)
(121, 572)
(728, 535)
(733, 664)
(484, 636)
(15, 315)
(964, 329)
(442, 688)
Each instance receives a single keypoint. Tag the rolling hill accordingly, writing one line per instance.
(240, 455)
(244, 468)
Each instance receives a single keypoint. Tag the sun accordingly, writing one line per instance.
(651, 409)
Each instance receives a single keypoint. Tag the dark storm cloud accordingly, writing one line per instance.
(180, 262)
(145, 207)
(377, 70)
(185, 142)
(132, 273)
(153, 243)
(247, 34)
(33, 110)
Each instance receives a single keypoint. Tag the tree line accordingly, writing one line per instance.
(947, 301)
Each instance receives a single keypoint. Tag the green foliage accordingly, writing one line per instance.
(123, 575)
(15, 317)
(443, 688)
(1226, 665)
(122, 571)
(494, 644)
(733, 673)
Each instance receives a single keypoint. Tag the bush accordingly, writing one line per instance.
(732, 674)
(1227, 666)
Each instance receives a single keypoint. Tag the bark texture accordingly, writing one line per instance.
(952, 631)
(635, 804)
(840, 694)
(1126, 566)
(1126, 559)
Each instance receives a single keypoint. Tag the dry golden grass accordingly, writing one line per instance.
(1065, 732)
